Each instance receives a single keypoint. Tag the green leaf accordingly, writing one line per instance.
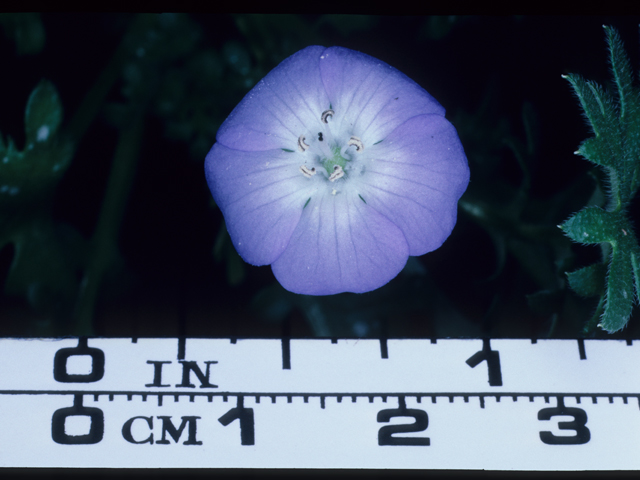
(635, 264)
(43, 269)
(588, 281)
(622, 74)
(616, 147)
(597, 104)
(597, 151)
(619, 300)
(591, 225)
(43, 115)
(28, 177)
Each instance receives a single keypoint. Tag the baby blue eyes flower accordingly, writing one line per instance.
(334, 169)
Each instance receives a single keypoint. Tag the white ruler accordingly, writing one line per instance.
(249, 403)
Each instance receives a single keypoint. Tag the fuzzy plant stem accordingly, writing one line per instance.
(105, 237)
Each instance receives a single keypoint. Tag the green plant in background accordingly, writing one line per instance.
(616, 148)
(163, 69)
(41, 267)
(169, 84)
(26, 30)
(521, 227)
(54, 267)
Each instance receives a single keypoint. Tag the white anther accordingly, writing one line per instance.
(326, 114)
(337, 173)
(307, 172)
(356, 142)
(301, 144)
(334, 191)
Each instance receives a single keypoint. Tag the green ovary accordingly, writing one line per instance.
(330, 163)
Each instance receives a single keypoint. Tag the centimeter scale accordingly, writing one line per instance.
(320, 403)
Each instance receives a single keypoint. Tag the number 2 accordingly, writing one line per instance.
(385, 434)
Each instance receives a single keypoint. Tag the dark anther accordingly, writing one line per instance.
(326, 114)
(320, 136)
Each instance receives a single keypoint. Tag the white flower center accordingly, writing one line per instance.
(336, 155)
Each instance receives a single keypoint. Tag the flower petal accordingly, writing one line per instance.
(283, 105)
(415, 179)
(369, 96)
(341, 245)
(261, 195)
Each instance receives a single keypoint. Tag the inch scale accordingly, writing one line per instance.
(320, 403)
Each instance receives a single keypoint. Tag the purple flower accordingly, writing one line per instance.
(334, 169)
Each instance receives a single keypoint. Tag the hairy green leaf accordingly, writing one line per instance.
(616, 147)
(592, 225)
(622, 75)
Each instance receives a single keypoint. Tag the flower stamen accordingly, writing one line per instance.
(337, 173)
(302, 145)
(356, 142)
(326, 114)
(308, 172)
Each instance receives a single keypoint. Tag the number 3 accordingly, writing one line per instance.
(582, 436)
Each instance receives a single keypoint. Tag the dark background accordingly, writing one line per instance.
(167, 281)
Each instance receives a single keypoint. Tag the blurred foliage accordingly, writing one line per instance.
(615, 148)
(43, 268)
(371, 314)
(439, 26)
(349, 24)
(26, 30)
(107, 225)
(520, 226)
